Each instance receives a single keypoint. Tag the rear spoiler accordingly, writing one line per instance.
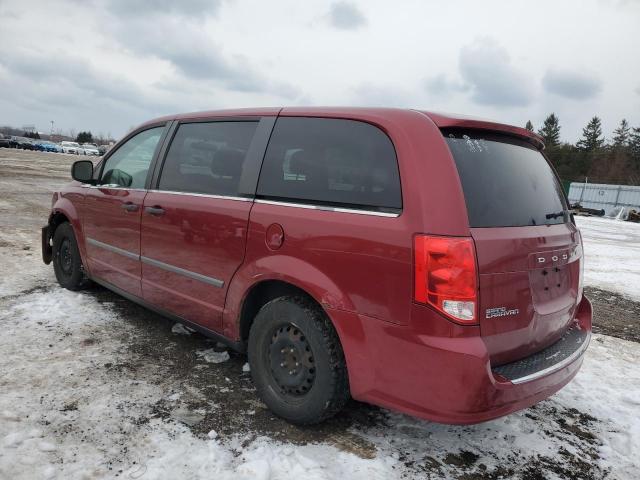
(458, 121)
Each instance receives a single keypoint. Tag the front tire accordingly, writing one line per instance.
(297, 362)
(67, 263)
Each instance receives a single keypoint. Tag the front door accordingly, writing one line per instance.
(194, 224)
(112, 211)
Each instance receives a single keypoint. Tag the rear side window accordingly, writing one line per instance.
(207, 158)
(331, 162)
(507, 182)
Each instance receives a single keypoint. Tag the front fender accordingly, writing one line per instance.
(64, 205)
(284, 268)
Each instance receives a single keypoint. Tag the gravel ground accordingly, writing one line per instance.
(150, 350)
(614, 314)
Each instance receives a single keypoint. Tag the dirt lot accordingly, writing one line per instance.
(153, 377)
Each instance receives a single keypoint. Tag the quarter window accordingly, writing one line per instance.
(207, 158)
(129, 164)
(331, 162)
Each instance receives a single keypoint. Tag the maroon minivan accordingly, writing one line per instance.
(422, 262)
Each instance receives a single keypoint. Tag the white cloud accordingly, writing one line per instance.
(441, 84)
(346, 16)
(487, 68)
(373, 95)
(571, 84)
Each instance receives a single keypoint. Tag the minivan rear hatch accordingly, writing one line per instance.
(528, 251)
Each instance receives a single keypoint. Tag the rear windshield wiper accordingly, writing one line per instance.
(549, 216)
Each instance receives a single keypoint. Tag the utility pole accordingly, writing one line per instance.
(51, 128)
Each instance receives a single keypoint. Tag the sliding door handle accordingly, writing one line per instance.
(155, 210)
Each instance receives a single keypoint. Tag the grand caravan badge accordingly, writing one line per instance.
(501, 312)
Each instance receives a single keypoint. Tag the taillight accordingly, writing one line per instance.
(446, 276)
(581, 272)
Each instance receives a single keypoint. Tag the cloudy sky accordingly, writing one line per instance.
(106, 66)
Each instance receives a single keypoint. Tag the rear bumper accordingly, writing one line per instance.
(545, 362)
(443, 379)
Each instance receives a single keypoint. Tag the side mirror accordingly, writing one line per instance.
(82, 171)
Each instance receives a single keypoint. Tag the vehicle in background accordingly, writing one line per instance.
(47, 146)
(5, 141)
(71, 147)
(90, 149)
(102, 149)
(25, 143)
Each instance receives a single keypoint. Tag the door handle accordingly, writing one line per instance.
(130, 207)
(155, 210)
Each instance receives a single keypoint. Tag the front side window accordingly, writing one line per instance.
(129, 165)
(207, 158)
(331, 162)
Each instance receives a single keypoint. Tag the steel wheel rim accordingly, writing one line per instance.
(65, 259)
(291, 360)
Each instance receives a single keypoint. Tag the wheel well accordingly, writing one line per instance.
(56, 220)
(261, 294)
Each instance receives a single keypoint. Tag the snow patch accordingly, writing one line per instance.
(612, 255)
(211, 356)
(180, 329)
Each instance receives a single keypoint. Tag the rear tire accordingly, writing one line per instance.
(67, 263)
(297, 362)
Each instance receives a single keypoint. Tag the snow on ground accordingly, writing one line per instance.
(64, 414)
(21, 272)
(612, 255)
(68, 411)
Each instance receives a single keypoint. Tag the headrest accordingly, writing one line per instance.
(305, 162)
(227, 163)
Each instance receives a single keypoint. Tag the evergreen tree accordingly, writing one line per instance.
(634, 144)
(592, 138)
(621, 134)
(84, 137)
(550, 130)
(529, 126)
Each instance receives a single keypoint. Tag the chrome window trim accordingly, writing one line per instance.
(113, 249)
(204, 195)
(328, 209)
(156, 263)
(558, 366)
(181, 271)
(110, 187)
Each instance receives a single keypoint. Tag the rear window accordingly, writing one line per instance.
(507, 182)
(331, 162)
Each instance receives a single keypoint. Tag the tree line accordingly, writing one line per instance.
(616, 161)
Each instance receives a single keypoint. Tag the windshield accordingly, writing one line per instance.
(507, 182)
